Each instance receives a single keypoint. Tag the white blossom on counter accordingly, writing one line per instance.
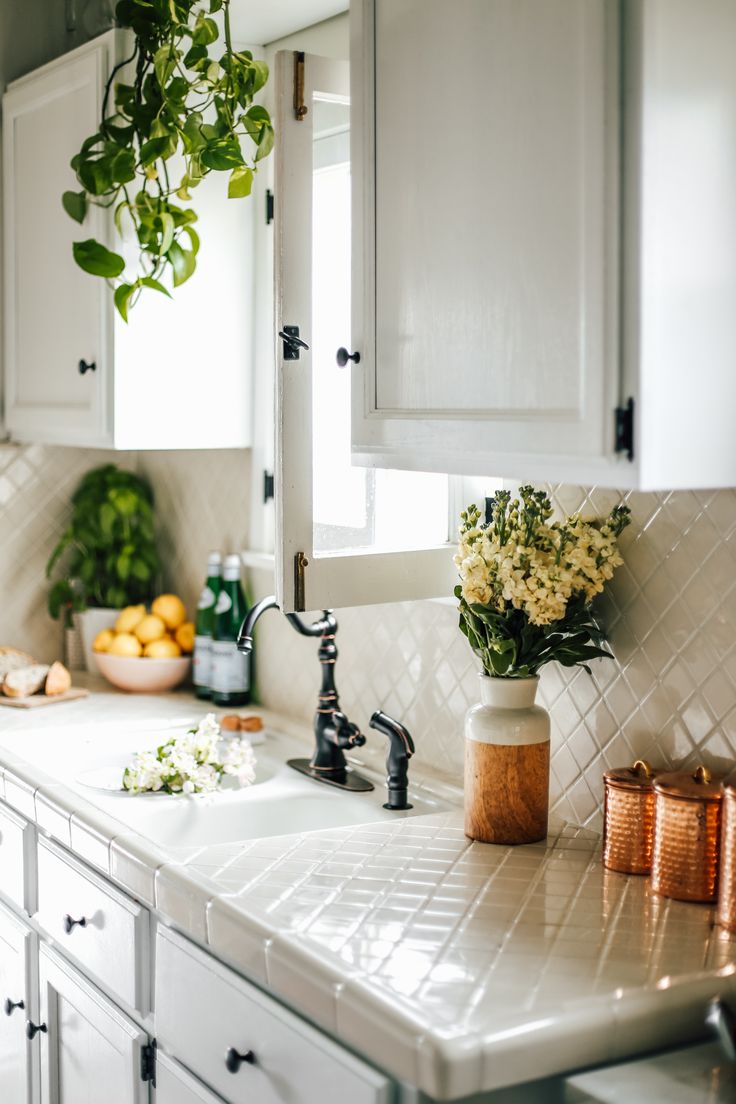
(192, 763)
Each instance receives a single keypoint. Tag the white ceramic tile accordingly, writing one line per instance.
(134, 862)
(54, 808)
(183, 897)
(91, 835)
(238, 938)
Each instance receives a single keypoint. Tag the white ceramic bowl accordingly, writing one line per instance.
(142, 675)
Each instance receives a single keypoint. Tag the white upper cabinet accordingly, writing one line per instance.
(528, 256)
(178, 375)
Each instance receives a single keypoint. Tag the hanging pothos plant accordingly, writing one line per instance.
(183, 99)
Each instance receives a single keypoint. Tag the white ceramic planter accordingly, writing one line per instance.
(91, 622)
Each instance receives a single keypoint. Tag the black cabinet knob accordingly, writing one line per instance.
(70, 924)
(234, 1060)
(10, 1006)
(32, 1029)
(343, 356)
(87, 366)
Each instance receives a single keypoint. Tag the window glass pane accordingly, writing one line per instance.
(353, 507)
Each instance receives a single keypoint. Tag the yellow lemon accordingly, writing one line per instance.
(150, 628)
(125, 644)
(162, 649)
(103, 640)
(170, 609)
(129, 617)
(185, 636)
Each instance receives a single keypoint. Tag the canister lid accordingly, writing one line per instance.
(638, 776)
(696, 785)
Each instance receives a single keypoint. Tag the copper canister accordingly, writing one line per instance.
(726, 914)
(628, 819)
(686, 835)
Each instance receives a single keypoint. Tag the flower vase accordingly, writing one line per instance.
(507, 763)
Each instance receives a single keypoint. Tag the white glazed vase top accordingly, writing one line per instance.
(506, 713)
(507, 763)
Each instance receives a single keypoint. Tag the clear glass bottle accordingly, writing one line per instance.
(230, 679)
(204, 626)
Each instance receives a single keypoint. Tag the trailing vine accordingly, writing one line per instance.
(182, 100)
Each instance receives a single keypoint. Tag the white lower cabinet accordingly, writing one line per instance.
(90, 1050)
(246, 1045)
(17, 1003)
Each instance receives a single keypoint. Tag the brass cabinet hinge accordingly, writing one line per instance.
(300, 108)
(301, 562)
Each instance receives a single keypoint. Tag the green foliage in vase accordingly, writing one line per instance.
(528, 583)
(107, 554)
(185, 100)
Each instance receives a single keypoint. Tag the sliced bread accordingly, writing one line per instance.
(11, 659)
(58, 680)
(24, 681)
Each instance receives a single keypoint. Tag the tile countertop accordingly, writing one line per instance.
(455, 966)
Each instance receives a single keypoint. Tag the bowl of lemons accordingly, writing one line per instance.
(147, 652)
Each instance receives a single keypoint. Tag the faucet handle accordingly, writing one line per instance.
(348, 734)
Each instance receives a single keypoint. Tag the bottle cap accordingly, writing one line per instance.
(232, 566)
(214, 560)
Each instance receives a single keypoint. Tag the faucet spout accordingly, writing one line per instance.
(245, 636)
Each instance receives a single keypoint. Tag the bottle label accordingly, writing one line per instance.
(206, 598)
(202, 661)
(224, 602)
(230, 673)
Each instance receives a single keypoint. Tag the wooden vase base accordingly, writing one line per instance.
(506, 792)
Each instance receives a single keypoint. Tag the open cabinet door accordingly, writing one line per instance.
(344, 536)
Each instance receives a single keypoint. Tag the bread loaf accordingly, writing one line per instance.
(24, 681)
(58, 680)
(11, 659)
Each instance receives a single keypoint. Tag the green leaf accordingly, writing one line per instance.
(155, 148)
(240, 183)
(164, 63)
(156, 285)
(96, 259)
(167, 234)
(123, 293)
(222, 154)
(122, 167)
(183, 263)
(75, 205)
(205, 31)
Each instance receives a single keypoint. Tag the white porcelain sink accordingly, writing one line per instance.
(281, 802)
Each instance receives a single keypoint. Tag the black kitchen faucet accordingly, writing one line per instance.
(333, 731)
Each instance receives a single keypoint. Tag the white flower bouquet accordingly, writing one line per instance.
(193, 763)
(527, 583)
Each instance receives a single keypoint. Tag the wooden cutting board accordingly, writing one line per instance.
(36, 700)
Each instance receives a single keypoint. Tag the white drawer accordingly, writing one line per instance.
(203, 1010)
(175, 1086)
(110, 938)
(17, 865)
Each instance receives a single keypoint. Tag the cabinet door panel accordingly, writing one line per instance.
(54, 312)
(486, 200)
(15, 984)
(90, 1051)
(175, 1086)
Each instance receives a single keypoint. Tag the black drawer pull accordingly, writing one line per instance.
(32, 1029)
(343, 356)
(234, 1061)
(87, 366)
(70, 924)
(10, 1006)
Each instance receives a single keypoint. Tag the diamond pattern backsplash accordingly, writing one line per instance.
(671, 614)
(668, 696)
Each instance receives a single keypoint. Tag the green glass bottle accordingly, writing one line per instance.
(230, 678)
(204, 626)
